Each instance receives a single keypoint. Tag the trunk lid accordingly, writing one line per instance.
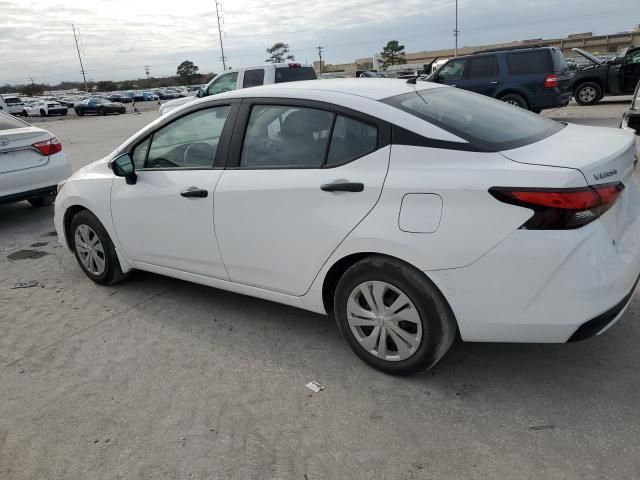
(16, 151)
(603, 155)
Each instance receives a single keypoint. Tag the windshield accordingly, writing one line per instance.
(483, 121)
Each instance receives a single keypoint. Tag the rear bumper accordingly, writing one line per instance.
(14, 185)
(551, 100)
(545, 286)
(40, 192)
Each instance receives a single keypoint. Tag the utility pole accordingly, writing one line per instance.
(146, 70)
(224, 60)
(33, 87)
(320, 55)
(84, 77)
(456, 32)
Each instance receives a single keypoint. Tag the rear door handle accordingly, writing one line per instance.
(495, 82)
(342, 187)
(194, 192)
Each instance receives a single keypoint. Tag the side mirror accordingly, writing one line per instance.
(200, 93)
(123, 167)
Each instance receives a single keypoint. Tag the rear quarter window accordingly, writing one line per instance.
(524, 63)
(484, 122)
(295, 74)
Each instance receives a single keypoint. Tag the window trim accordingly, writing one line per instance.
(244, 114)
(223, 143)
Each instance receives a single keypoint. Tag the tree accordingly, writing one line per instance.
(393, 54)
(106, 86)
(33, 89)
(278, 53)
(187, 71)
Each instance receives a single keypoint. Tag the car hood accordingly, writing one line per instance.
(588, 56)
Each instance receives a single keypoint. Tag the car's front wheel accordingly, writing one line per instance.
(392, 316)
(94, 249)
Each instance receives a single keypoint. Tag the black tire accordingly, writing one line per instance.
(42, 201)
(64, 113)
(43, 113)
(436, 318)
(112, 272)
(515, 100)
(536, 110)
(587, 93)
(79, 112)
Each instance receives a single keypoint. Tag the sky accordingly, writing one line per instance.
(118, 38)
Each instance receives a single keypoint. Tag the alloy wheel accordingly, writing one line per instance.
(587, 94)
(384, 321)
(90, 250)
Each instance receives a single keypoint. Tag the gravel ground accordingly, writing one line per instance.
(156, 378)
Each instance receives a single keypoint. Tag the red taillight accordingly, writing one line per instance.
(48, 147)
(294, 65)
(550, 81)
(561, 209)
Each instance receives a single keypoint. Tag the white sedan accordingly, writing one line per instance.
(45, 108)
(407, 212)
(31, 163)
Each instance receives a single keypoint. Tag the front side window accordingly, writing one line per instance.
(189, 142)
(480, 120)
(632, 58)
(525, 63)
(253, 78)
(451, 71)
(224, 83)
(482, 67)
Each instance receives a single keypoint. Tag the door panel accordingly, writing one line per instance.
(276, 227)
(156, 224)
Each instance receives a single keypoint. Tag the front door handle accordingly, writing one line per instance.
(194, 192)
(495, 82)
(342, 187)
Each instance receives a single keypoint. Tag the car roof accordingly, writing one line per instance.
(371, 88)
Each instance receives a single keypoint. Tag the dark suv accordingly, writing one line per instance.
(534, 78)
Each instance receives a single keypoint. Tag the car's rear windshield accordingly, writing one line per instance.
(7, 122)
(294, 74)
(11, 100)
(485, 122)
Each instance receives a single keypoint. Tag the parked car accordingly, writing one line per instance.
(617, 76)
(99, 106)
(631, 118)
(534, 78)
(407, 212)
(44, 108)
(11, 104)
(32, 163)
(119, 97)
(247, 77)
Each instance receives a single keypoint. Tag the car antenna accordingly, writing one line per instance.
(425, 70)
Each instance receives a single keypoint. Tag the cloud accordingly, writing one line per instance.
(119, 37)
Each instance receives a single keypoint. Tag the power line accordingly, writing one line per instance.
(224, 60)
(84, 77)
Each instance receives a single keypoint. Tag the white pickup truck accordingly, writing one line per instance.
(247, 77)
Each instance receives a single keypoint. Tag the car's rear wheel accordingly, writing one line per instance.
(392, 316)
(515, 100)
(94, 249)
(43, 113)
(42, 201)
(588, 93)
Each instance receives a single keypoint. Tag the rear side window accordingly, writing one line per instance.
(482, 67)
(253, 78)
(351, 139)
(12, 100)
(7, 122)
(485, 122)
(294, 74)
(524, 63)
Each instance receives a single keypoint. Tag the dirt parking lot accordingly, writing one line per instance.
(156, 378)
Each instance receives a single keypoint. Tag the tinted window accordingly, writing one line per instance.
(631, 58)
(224, 83)
(480, 120)
(7, 122)
(253, 78)
(280, 136)
(294, 74)
(451, 71)
(189, 142)
(538, 61)
(139, 155)
(351, 139)
(11, 101)
(482, 67)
